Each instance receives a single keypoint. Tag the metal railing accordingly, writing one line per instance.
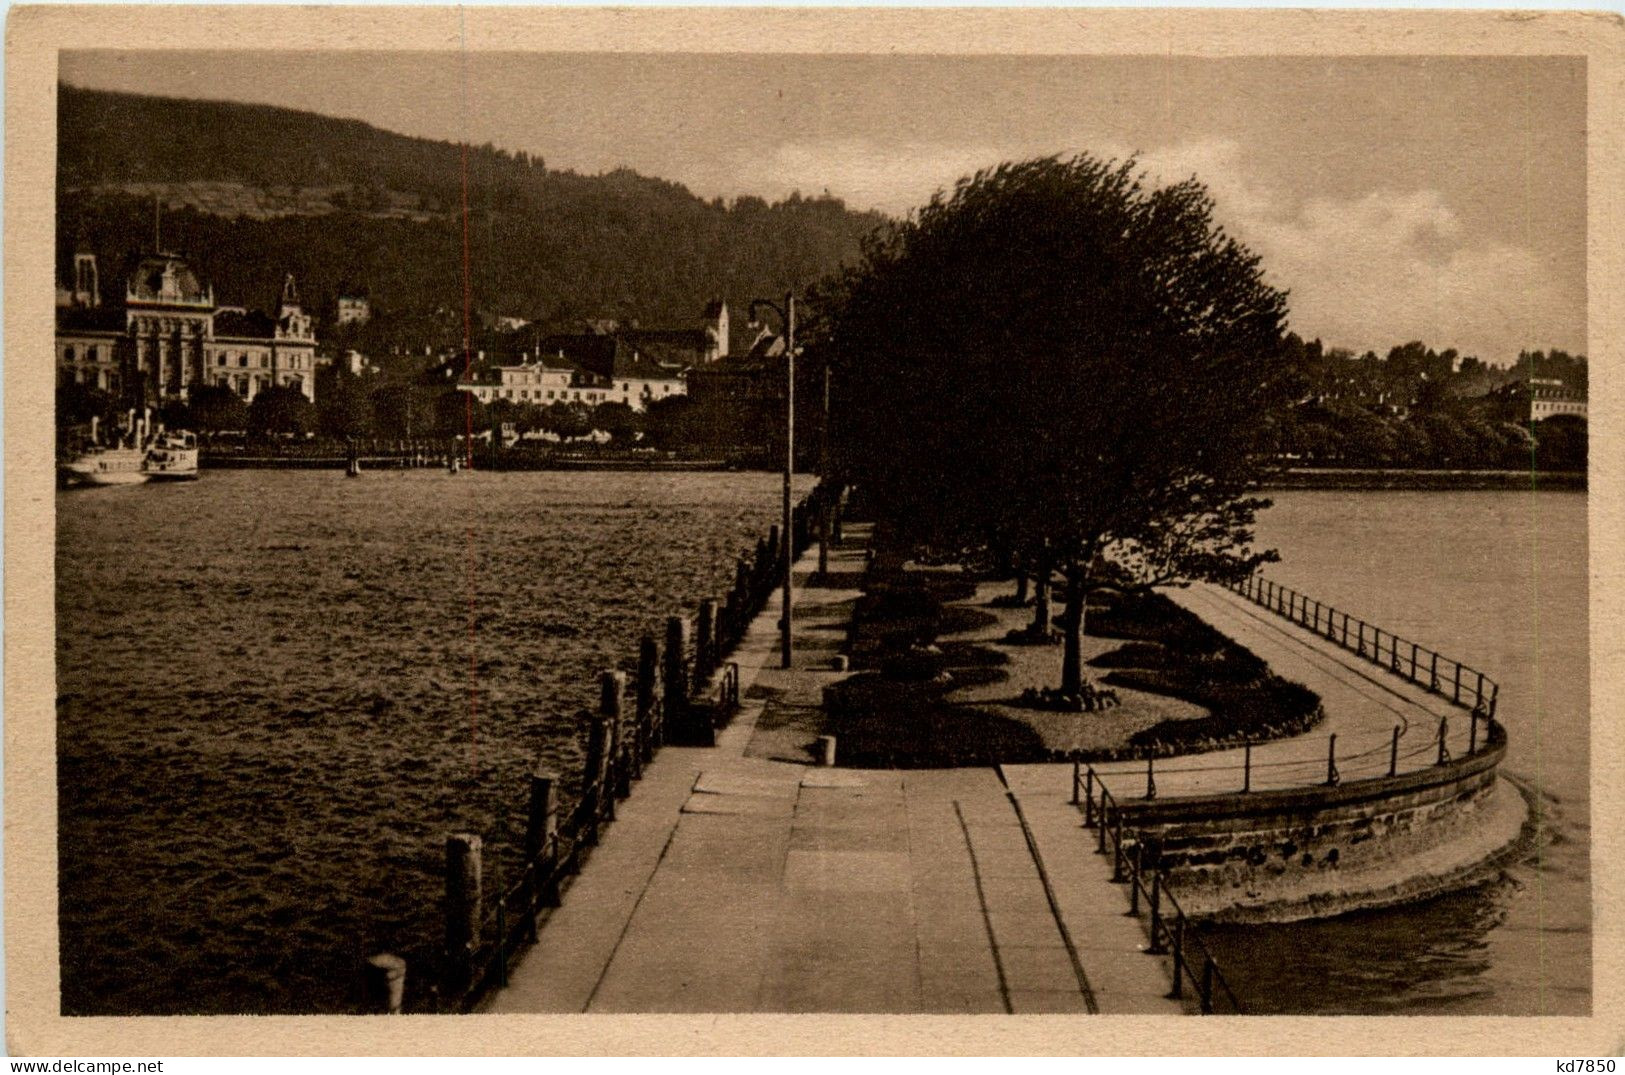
(1133, 858)
(1434, 672)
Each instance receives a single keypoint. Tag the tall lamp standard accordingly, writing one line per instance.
(826, 509)
(787, 318)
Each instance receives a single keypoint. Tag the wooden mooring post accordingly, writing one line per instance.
(648, 669)
(542, 840)
(705, 642)
(386, 984)
(593, 791)
(611, 692)
(464, 905)
(674, 677)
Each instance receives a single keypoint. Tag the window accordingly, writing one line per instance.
(220, 359)
(90, 352)
(67, 353)
(242, 360)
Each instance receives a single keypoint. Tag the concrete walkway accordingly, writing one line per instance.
(738, 884)
(1363, 702)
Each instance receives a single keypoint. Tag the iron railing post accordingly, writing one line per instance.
(1134, 880)
(1393, 753)
(1179, 957)
(1157, 947)
(502, 941)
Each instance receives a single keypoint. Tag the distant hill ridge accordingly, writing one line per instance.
(254, 191)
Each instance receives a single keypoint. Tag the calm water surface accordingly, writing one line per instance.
(279, 690)
(1498, 580)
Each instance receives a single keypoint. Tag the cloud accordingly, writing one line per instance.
(892, 177)
(1384, 267)
(1365, 272)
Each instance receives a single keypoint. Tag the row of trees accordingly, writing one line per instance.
(1345, 434)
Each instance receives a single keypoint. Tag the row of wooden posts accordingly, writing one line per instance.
(681, 693)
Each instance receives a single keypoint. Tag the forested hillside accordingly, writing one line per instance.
(252, 192)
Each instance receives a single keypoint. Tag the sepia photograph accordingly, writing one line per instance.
(569, 527)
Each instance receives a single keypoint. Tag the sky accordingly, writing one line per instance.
(1431, 198)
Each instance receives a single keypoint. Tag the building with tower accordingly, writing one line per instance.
(168, 334)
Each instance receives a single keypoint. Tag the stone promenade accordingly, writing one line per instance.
(736, 884)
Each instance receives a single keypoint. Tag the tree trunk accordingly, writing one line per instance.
(1021, 583)
(1072, 652)
(1040, 625)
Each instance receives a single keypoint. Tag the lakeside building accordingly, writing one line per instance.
(751, 379)
(607, 363)
(623, 377)
(169, 334)
(354, 308)
(544, 380)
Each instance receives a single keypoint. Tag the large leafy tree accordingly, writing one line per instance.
(1059, 358)
(281, 409)
(343, 404)
(216, 408)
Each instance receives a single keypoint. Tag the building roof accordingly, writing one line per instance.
(244, 324)
(768, 345)
(634, 365)
(588, 350)
(695, 339)
(146, 281)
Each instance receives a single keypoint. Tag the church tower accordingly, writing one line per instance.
(291, 320)
(716, 330)
(87, 288)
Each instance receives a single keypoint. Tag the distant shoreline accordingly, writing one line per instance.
(1394, 478)
(1370, 478)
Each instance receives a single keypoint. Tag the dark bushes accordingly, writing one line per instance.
(1174, 653)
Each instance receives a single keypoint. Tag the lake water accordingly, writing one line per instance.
(279, 690)
(1499, 581)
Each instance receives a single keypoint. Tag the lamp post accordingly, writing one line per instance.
(826, 510)
(787, 318)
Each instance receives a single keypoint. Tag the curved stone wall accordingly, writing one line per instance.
(1314, 851)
